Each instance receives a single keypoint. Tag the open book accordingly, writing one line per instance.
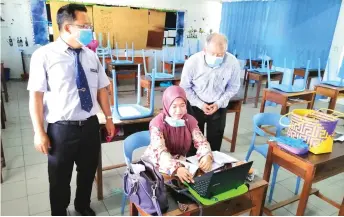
(220, 159)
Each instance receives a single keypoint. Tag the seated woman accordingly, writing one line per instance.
(172, 133)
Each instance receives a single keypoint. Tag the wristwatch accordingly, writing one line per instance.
(108, 117)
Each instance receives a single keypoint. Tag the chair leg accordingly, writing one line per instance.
(249, 152)
(273, 182)
(124, 200)
(297, 187)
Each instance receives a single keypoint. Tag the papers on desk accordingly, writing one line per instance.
(220, 159)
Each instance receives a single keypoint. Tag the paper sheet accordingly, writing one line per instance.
(220, 159)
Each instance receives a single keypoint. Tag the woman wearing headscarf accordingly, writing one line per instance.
(173, 132)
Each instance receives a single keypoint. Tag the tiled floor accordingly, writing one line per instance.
(25, 187)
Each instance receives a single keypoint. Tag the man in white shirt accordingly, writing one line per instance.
(210, 79)
(66, 84)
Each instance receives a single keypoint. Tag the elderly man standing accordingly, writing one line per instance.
(210, 79)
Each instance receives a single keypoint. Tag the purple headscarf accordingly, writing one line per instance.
(178, 140)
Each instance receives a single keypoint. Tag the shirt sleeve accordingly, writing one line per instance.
(38, 73)
(103, 80)
(232, 86)
(200, 143)
(159, 155)
(187, 85)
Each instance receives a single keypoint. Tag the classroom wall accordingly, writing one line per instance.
(205, 14)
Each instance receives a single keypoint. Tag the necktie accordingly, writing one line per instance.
(82, 84)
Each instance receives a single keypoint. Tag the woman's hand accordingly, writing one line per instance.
(205, 163)
(184, 175)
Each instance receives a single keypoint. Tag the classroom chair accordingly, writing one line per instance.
(132, 111)
(287, 80)
(273, 120)
(158, 74)
(130, 144)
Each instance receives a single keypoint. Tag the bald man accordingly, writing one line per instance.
(210, 79)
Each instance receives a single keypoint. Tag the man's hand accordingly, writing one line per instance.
(42, 142)
(206, 109)
(110, 128)
(213, 109)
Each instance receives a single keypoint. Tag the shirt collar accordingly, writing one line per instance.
(63, 45)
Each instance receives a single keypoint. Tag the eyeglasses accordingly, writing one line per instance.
(85, 26)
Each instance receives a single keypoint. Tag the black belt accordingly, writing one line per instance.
(74, 123)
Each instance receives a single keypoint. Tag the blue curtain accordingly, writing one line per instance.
(39, 22)
(298, 30)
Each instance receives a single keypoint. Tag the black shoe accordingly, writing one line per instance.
(86, 211)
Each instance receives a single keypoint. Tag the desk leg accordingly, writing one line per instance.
(341, 210)
(99, 175)
(246, 89)
(258, 200)
(285, 108)
(245, 77)
(262, 105)
(309, 82)
(311, 101)
(306, 189)
(332, 104)
(235, 130)
(133, 210)
(259, 85)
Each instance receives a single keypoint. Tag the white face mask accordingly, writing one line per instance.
(213, 61)
(175, 122)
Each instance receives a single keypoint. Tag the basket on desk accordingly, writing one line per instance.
(315, 127)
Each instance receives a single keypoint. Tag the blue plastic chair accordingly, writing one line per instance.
(270, 119)
(158, 74)
(198, 48)
(127, 60)
(340, 75)
(178, 56)
(130, 144)
(104, 51)
(139, 111)
(287, 85)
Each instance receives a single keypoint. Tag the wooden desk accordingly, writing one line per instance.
(259, 78)
(287, 99)
(234, 106)
(169, 64)
(146, 82)
(312, 73)
(252, 201)
(255, 64)
(3, 113)
(329, 91)
(129, 127)
(311, 168)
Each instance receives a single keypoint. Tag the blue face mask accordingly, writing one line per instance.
(213, 61)
(175, 122)
(85, 36)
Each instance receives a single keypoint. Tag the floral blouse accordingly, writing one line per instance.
(166, 162)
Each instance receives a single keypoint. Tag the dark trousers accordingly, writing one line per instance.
(215, 126)
(72, 144)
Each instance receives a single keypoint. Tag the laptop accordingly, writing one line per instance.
(216, 182)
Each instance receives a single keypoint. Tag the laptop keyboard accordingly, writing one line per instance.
(201, 187)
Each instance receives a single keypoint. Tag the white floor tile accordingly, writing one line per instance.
(36, 171)
(13, 175)
(12, 142)
(14, 162)
(13, 191)
(13, 151)
(29, 149)
(35, 158)
(37, 185)
(113, 204)
(39, 203)
(47, 213)
(16, 207)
